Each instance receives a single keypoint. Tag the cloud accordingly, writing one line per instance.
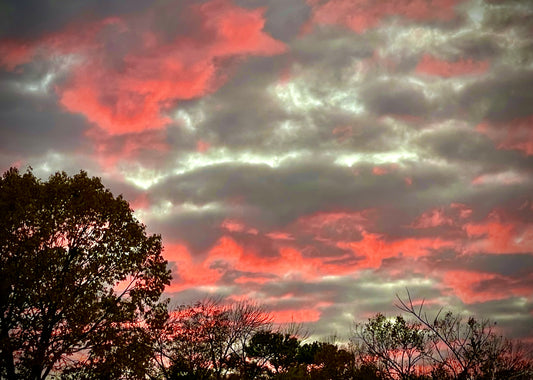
(477, 287)
(128, 89)
(316, 156)
(433, 66)
(361, 15)
(514, 135)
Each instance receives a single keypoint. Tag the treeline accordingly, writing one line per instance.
(211, 340)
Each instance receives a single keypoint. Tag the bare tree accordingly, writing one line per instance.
(208, 339)
(395, 345)
(468, 348)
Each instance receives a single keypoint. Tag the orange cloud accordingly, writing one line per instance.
(433, 66)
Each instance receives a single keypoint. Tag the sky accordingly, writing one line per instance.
(315, 156)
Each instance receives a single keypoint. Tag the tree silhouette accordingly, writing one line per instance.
(208, 339)
(269, 349)
(468, 348)
(395, 345)
(79, 277)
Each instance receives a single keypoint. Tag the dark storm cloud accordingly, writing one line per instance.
(475, 46)
(284, 193)
(395, 97)
(31, 122)
(197, 230)
(330, 48)
(30, 19)
(244, 91)
(512, 315)
(503, 96)
(284, 19)
(461, 144)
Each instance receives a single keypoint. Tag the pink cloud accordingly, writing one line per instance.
(361, 15)
(495, 236)
(202, 146)
(373, 248)
(189, 272)
(464, 210)
(13, 54)
(158, 73)
(514, 135)
(343, 133)
(109, 151)
(332, 227)
(432, 218)
(295, 315)
(467, 285)
(280, 236)
(379, 170)
(133, 93)
(247, 280)
(433, 66)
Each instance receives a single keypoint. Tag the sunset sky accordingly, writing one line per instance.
(316, 156)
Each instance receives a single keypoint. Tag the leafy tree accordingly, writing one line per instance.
(332, 362)
(273, 349)
(79, 280)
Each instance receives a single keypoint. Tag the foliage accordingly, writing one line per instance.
(276, 349)
(79, 277)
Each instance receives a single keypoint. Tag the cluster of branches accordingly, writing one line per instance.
(80, 298)
(210, 340)
(447, 346)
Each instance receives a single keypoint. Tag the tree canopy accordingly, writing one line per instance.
(79, 279)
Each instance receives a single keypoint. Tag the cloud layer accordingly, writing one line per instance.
(317, 156)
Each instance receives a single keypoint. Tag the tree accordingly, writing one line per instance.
(208, 339)
(395, 345)
(272, 349)
(332, 362)
(79, 280)
(468, 348)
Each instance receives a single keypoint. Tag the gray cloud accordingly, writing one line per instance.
(341, 139)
